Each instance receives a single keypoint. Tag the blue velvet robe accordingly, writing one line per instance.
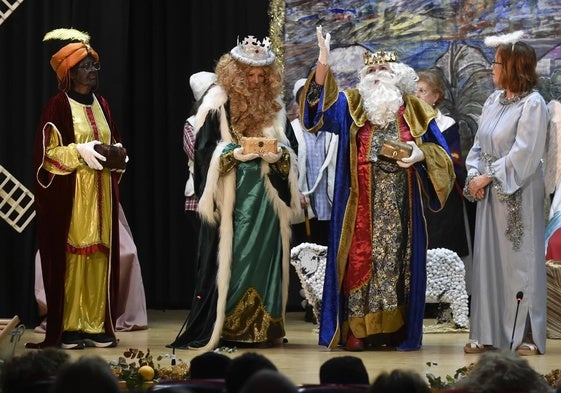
(342, 114)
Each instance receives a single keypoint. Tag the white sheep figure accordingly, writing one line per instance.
(446, 283)
(309, 260)
(445, 278)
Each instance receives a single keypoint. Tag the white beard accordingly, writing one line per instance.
(381, 98)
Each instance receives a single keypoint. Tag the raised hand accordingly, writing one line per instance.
(323, 44)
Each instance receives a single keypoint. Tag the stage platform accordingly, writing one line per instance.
(301, 357)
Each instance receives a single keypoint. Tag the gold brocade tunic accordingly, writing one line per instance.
(89, 232)
(378, 271)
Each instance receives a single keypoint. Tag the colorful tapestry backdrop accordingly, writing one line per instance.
(447, 35)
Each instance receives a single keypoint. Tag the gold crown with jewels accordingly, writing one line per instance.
(380, 57)
(253, 52)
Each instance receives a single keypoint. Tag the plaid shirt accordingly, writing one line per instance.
(191, 202)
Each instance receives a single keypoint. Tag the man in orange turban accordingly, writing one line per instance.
(69, 55)
(77, 200)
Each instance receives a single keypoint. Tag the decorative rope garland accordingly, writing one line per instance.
(277, 10)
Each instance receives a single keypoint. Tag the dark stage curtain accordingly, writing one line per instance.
(148, 49)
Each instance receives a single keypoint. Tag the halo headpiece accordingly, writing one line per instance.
(504, 39)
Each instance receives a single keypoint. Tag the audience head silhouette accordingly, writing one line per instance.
(22, 373)
(399, 381)
(344, 370)
(88, 374)
(269, 381)
(243, 367)
(502, 372)
(209, 365)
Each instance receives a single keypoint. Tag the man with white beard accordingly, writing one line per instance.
(391, 155)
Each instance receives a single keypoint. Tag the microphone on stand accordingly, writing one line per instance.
(173, 359)
(519, 296)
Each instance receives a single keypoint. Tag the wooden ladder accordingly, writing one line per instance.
(7, 7)
(10, 332)
(16, 201)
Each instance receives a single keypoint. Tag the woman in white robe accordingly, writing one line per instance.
(505, 177)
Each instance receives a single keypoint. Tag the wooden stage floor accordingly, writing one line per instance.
(301, 357)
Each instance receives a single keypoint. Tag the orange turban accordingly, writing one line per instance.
(69, 56)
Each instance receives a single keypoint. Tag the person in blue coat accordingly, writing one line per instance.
(374, 289)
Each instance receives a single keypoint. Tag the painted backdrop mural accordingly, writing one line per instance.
(444, 34)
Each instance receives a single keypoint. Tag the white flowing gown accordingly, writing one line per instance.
(509, 229)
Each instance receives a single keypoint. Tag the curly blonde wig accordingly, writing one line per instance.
(251, 109)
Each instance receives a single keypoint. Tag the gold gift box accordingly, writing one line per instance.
(259, 145)
(395, 150)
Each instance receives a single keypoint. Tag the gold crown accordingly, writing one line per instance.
(380, 57)
(254, 52)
